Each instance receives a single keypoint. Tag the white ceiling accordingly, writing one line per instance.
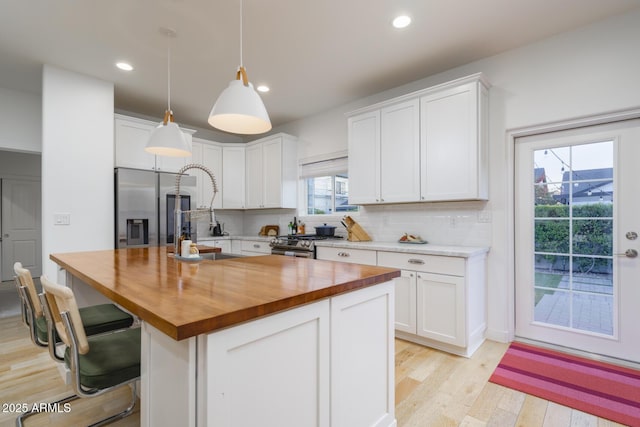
(314, 55)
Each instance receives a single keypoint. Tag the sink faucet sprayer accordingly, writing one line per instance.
(193, 213)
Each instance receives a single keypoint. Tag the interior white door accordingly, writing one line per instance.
(21, 226)
(577, 222)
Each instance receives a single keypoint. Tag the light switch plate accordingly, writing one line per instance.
(61, 219)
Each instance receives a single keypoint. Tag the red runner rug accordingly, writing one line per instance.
(605, 390)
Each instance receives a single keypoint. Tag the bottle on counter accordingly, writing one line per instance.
(294, 229)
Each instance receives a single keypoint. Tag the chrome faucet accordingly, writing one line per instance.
(193, 212)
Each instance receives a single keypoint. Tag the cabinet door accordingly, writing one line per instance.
(362, 358)
(400, 152)
(254, 174)
(405, 304)
(364, 158)
(441, 308)
(233, 177)
(272, 172)
(450, 144)
(212, 159)
(130, 140)
(271, 373)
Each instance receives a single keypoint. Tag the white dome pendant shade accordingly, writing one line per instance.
(168, 140)
(239, 108)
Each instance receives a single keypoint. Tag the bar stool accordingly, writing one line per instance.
(98, 363)
(97, 319)
(36, 315)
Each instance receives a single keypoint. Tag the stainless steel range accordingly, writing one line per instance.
(299, 245)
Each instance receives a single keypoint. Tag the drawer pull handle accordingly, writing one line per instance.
(256, 246)
(345, 254)
(415, 261)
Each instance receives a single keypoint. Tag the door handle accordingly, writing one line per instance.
(629, 253)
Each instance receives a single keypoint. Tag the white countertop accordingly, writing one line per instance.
(425, 249)
(234, 237)
(413, 248)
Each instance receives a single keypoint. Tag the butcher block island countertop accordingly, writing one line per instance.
(186, 299)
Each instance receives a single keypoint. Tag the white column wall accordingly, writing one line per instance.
(77, 163)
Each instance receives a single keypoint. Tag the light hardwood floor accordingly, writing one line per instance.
(432, 389)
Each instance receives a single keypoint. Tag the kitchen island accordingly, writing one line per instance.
(267, 340)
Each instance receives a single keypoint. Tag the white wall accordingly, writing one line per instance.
(588, 71)
(77, 163)
(20, 121)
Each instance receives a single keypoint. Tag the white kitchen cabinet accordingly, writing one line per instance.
(364, 155)
(210, 156)
(233, 177)
(254, 247)
(328, 363)
(223, 244)
(429, 145)
(384, 154)
(405, 304)
(453, 143)
(272, 172)
(353, 256)
(131, 136)
(440, 300)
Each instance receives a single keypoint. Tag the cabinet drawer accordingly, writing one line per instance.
(354, 256)
(255, 246)
(452, 266)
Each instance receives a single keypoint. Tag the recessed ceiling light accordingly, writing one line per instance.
(401, 21)
(124, 66)
(263, 88)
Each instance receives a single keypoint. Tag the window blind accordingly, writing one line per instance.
(324, 168)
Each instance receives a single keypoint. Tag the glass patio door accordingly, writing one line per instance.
(577, 220)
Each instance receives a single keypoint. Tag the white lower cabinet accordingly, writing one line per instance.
(439, 300)
(328, 363)
(354, 256)
(223, 244)
(405, 303)
(254, 247)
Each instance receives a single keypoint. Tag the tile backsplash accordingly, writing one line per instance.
(454, 223)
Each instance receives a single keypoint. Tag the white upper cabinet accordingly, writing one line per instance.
(131, 137)
(233, 176)
(384, 154)
(453, 143)
(210, 156)
(272, 172)
(430, 145)
(364, 155)
(400, 152)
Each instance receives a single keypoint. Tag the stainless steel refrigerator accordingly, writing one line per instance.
(145, 202)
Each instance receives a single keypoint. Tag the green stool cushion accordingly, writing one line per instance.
(104, 318)
(112, 359)
(96, 319)
(41, 330)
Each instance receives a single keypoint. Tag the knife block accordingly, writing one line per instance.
(355, 233)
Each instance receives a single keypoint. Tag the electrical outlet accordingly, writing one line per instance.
(62, 219)
(484, 216)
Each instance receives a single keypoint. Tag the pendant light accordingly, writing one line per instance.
(239, 108)
(167, 139)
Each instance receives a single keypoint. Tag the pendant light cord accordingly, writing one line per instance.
(168, 73)
(241, 65)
